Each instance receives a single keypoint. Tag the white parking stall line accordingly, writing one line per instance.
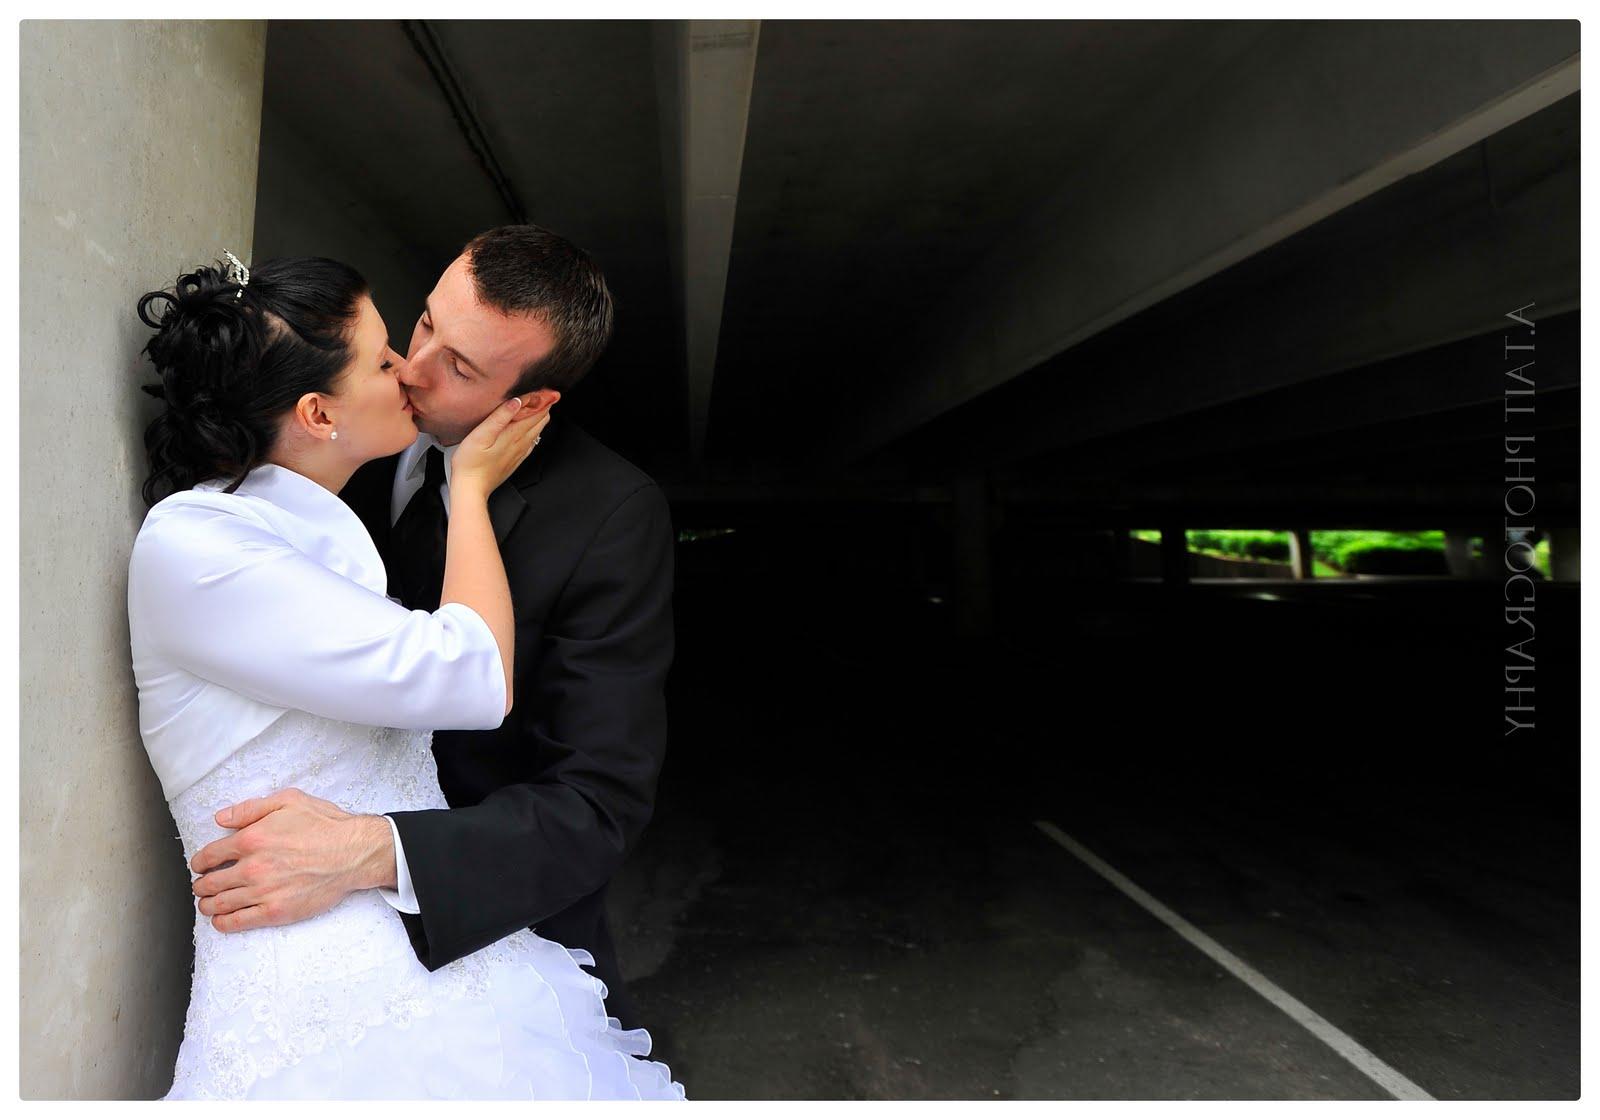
(1346, 1047)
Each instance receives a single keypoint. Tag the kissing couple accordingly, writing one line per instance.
(400, 640)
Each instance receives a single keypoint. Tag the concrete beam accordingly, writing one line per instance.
(767, 493)
(1393, 313)
(1323, 505)
(704, 72)
(1455, 378)
(1113, 502)
(1312, 121)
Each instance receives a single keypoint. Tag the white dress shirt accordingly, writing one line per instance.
(409, 473)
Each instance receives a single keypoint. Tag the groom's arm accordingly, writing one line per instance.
(591, 707)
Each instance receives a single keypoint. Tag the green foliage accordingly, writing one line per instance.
(1250, 544)
(1374, 550)
(1334, 551)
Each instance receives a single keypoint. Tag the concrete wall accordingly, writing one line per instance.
(138, 158)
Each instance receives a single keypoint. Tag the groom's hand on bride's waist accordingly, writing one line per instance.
(290, 857)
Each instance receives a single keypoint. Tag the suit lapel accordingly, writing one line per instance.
(508, 503)
(506, 506)
(371, 490)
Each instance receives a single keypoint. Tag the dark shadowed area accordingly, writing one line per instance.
(920, 324)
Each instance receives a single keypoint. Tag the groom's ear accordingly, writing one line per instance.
(540, 400)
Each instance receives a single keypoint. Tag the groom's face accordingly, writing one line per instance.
(465, 357)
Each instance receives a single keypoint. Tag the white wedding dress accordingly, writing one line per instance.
(267, 656)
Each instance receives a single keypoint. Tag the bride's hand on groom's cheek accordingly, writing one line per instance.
(291, 857)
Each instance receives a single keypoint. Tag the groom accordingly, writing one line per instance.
(545, 807)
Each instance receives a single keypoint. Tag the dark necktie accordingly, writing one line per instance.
(417, 542)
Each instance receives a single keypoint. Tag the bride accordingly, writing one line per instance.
(266, 655)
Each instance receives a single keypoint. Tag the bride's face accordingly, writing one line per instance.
(371, 413)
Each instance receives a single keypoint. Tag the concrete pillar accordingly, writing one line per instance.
(1300, 556)
(1564, 554)
(1492, 564)
(138, 158)
(1458, 553)
(1174, 556)
(1121, 553)
(973, 587)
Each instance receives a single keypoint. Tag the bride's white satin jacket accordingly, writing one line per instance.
(243, 606)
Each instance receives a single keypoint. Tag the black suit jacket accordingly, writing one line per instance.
(544, 808)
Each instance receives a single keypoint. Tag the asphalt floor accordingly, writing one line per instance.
(846, 892)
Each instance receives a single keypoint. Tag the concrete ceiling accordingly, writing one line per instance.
(1388, 312)
(933, 231)
(885, 160)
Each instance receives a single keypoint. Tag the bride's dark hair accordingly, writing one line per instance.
(233, 360)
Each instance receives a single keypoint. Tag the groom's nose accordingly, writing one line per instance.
(406, 371)
(418, 363)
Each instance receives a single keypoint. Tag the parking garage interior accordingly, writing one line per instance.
(946, 342)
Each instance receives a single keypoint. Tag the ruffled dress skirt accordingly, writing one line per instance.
(338, 1007)
(519, 1020)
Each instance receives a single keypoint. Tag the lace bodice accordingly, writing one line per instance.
(361, 769)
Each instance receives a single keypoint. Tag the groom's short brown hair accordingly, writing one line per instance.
(526, 269)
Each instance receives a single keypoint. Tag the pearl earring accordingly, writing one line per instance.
(334, 436)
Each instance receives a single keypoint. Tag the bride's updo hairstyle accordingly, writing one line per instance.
(234, 359)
